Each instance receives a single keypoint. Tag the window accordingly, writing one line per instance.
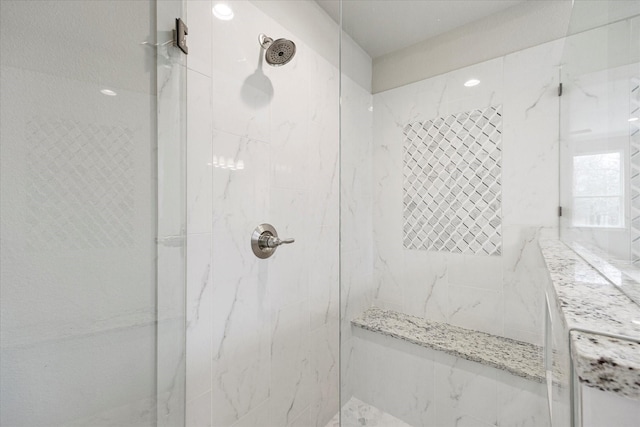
(597, 190)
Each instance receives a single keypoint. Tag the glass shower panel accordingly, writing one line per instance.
(92, 218)
(599, 150)
(448, 162)
(170, 113)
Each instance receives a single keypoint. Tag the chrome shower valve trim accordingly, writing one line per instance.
(265, 241)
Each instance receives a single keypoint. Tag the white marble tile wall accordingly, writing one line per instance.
(557, 363)
(356, 413)
(172, 222)
(600, 408)
(425, 387)
(500, 294)
(199, 222)
(634, 164)
(356, 240)
(262, 335)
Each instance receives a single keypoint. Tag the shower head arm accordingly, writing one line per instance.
(265, 41)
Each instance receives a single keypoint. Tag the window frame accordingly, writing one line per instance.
(621, 196)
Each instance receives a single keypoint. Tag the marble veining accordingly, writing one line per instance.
(356, 413)
(590, 301)
(516, 357)
(634, 131)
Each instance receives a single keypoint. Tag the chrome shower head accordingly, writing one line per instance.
(278, 52)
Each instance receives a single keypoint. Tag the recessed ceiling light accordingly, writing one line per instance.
(472, 82)
(633, 119)
(223, 12)
(108, 92)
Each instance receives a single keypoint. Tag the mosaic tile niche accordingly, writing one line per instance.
(452, 183)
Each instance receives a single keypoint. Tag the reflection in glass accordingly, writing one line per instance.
(597, 190)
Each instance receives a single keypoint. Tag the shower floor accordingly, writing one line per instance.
(356, 413)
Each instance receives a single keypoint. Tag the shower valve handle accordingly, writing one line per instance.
(265, 241)
(273, 242)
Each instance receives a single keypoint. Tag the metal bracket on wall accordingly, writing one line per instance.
(181, 35)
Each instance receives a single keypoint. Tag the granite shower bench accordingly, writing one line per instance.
(436, 374)
(516, 357)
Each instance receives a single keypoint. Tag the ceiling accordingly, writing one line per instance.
(384, 26)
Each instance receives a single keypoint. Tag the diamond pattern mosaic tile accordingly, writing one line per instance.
(452, 183)
(81, 185)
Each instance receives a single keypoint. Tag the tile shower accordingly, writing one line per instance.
(262, 338)
(483, 278)
(420, 203)
(489, 276)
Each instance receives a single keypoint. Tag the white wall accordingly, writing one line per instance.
(519, 27)
(356, 233)
(600, 409)
(262, 337)
(199, 201)
(495, 294)
(498, 294)
(425, 387)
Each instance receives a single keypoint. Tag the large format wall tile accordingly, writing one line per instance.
(425, 387)
(396, 379)
(290, 364)
(200, 38)
(530, 151)
(356, 227)
(241, 310)
(199, 315)
(198, 411)
(275, 160)
(635, 167)
(521, 402)
(199, 153)
(501, 293)
(466, 392)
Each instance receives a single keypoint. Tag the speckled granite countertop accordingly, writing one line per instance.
(589, 301)
(516, 357)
